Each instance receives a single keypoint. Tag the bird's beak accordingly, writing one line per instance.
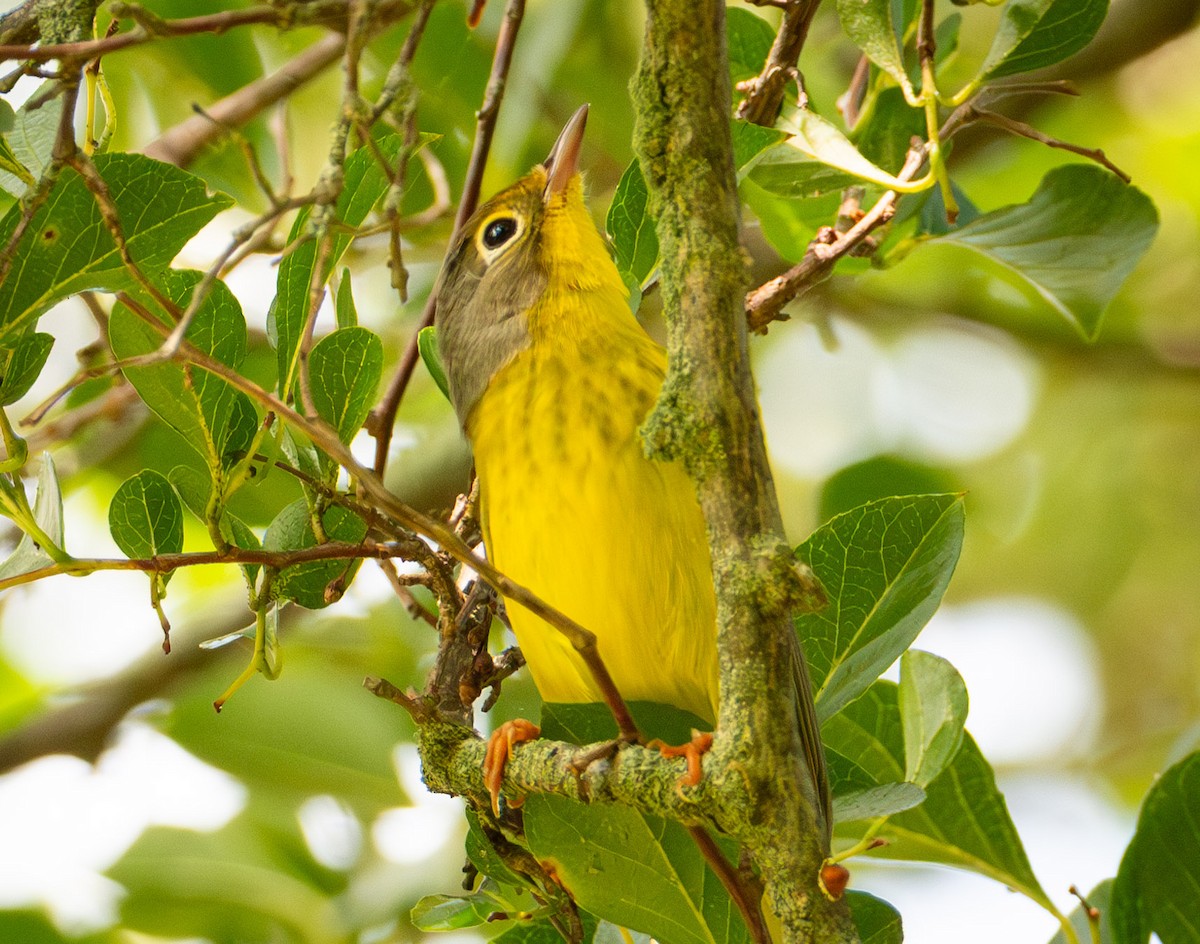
(563, 162)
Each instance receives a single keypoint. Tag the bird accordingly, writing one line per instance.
(551, 377)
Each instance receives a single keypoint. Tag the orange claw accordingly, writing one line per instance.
(696, 748)
(499, 752)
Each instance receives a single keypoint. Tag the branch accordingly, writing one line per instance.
(384, 415)
(283, 16)
(707, 417)
(166, 563)
(374, 491)
(764, 93)
(765, 303)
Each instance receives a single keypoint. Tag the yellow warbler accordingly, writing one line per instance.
(551, 377)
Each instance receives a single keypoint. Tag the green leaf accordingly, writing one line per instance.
(819, 140)
(870, 24)
(601, 852)
(364, 184)
(451, 912)
(31, 139)
(344, 370)
(629, 224)
(876, 802)
(1038, 33)
(345, 309)
(21, 361)
(48, 513)
(749, 38)
(146, 517)
(877, 921)
(788, 171)
(10, 165)
(888, 130)
(485, 858)
(933, 709)
(1075, 241)
(427, 345)
(1100, 898)
(292, 530)
(67, 247)
(885, 566)
(963, 822)
(590, 723)
(215, 419)
(631, 229)
(1158, 884)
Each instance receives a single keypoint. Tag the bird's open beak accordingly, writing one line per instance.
(563, 162)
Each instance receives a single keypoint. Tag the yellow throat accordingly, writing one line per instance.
(552, 377)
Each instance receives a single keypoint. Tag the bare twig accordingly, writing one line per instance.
(764, 93)
(765, 303)
(1020, 128)
(384, 415)
(167, 563)
(581, 639)
(330, 13)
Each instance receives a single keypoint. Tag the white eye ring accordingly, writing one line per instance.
(497, 233)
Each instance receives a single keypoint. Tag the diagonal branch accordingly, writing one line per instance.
(764, 93)
(384, 415)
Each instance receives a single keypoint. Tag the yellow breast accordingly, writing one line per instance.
(573, 510)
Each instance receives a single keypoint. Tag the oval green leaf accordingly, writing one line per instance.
(67, 247)
(884, 566)
(870, 24)
(1038, 33)
(344, 370)
(20, 364)
(1075, 241)
(933, 709)
(146, 517)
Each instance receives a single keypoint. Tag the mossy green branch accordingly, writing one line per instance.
(707, 417)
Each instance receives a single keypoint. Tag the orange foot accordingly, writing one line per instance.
(697, 747)
(499, 753)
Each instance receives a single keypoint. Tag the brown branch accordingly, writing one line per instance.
(181, 144)
(384, 415)
(764, 93)
(581, 639)
(1013, 126)
(167, 563)
(766, 303)
(284, 16)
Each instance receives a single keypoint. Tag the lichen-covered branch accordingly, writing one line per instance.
(707, 417)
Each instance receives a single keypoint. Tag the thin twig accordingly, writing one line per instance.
(765, 303)
(581, 639)
(1020, 128)
(330, 13)
(764, 93)
(167, 563)
(384, 415)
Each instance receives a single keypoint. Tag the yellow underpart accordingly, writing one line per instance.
(571, 506)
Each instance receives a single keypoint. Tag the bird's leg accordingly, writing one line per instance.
(499, 752)
(696, 748)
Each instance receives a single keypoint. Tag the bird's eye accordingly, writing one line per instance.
(499, 231)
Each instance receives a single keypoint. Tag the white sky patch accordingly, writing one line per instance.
(945, 391)
(817, 400)
(331, 830)
(961, 392)
(416, 834)
(65, 821)
(1032, 673)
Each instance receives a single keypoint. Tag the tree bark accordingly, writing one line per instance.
(707, 417)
